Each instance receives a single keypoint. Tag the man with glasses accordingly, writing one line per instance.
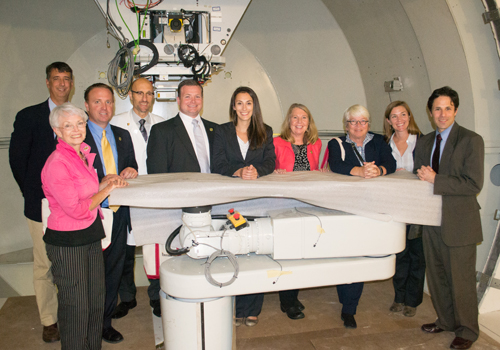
(114, 158)
(138, 121)
(31, 143)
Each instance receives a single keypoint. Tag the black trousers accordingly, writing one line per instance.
(249, 304)
(114, 260)
(154, 289)
(409, 277)
(288, 298)
(127, 288)
(349, 295)
(79, 276)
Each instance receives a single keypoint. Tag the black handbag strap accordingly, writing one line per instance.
(360, 158)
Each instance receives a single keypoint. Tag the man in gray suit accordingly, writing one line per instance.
(452, 158)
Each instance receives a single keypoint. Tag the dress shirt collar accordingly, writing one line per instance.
(187, 119)
(137, 118)
(52, 105)
(96, 129)
(445, 133)
(368, 138)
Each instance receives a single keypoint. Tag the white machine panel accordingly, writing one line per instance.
(306, 233)
(183, 277)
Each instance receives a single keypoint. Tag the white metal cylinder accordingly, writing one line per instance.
(190, 324)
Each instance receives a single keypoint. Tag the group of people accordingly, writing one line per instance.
(75, 159)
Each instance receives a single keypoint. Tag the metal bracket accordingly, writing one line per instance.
(490, 16)
(490, 282)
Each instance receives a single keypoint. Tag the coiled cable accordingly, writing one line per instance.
(232, 259)
(121, 71)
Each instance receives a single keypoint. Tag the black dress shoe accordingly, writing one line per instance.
(431, 328)
(122, 309)
(349, 321)
(111, 335)
(155, 304)
(461, 343)
(293, 312)
(299, 305)
(50, 333)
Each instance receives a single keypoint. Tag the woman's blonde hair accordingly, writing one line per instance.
(311, 134)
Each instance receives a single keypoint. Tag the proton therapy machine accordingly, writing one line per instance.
(244, 247)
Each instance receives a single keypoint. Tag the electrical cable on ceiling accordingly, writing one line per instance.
(131, 4)
(109, 18)
(187, 54)
(121, 71)
(152, 47)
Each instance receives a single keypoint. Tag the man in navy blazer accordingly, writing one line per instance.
(172, 146)
(99, 102)
(452, 158)
(31, 143)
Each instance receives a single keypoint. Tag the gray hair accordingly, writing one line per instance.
(356, 111)
(65, 110)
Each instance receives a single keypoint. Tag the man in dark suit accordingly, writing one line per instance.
(177, 145)
(31, 143)
(452, 158)
(115, 158)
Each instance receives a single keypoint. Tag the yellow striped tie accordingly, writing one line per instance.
(109, 161)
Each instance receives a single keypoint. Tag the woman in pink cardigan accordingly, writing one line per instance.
(297, 149)
(74, 230)
(298, 146)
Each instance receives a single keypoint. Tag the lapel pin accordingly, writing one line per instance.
(128, 124)
(211, 129)
(119, 138)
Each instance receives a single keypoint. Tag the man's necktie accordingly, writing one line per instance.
(109, 161)
(437, 153)
(142, 129)
(201, 148)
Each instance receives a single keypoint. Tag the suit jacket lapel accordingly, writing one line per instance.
(234, 144)
(428, 149)
(448, 149)
(89, 140)
(181, 132)
(44, 113)
(120, 147)
(210, 133)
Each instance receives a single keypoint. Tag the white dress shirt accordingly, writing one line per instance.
(188, 124)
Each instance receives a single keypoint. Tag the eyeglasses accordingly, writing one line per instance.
(69, 127)
(354, 122)
(142, 93)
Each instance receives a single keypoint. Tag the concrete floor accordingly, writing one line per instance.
(321, 329)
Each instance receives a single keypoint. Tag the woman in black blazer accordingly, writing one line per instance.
(244, 148)
(401, 133)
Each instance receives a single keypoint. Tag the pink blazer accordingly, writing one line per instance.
(68, 185)
(285, 157)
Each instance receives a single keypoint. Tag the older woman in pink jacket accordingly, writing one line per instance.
(74, 230)
(297, 149)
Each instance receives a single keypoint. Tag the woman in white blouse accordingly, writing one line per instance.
(401, 132)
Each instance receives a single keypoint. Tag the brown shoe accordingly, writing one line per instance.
(431, 328)
(461, 343)
(396, 307)
(50, 333)
(409, 311)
